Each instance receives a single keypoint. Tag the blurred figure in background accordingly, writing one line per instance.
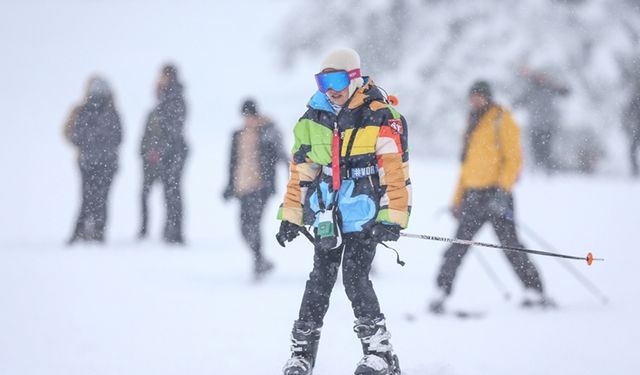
(256, 149)
(491, 163)
(540, 98)
(631, 125)
(94, 128)
(164, 152)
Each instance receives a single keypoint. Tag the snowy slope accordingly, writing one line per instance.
(144, 308)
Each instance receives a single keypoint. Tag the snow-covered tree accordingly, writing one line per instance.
(428, 52)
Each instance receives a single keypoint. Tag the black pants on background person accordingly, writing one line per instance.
(171, 177)
(476, 210)
(92, 218)
(633, 154)
(356, 256)
(251, 209)
(151, 173)
(169, 173)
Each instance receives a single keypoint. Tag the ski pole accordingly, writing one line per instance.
(574, 272)
(485, 265)
(589, 258)
(493, 276)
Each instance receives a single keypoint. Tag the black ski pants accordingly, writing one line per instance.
(92, 218)
(633, 153)
(356, 256)
(169, 172)
(476, 209)
(151, 174)
(251, 210)
(171, 177)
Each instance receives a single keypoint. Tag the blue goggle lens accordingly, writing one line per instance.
(337, 81)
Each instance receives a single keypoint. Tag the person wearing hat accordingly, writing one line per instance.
(491, 163)
(164, 152)
(350, 167)
(94, 128)
(256, 149)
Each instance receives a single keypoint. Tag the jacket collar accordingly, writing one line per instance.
(320, 102)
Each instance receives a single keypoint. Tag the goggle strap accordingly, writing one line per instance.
(353, 74)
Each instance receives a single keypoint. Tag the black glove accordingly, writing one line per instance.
(500, 205)
(384, 232)
(287, 233)
(228, 193)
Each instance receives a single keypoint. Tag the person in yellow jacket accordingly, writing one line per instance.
(491, 163)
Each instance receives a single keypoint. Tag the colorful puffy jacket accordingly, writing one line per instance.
(493, 157)
(375, 185)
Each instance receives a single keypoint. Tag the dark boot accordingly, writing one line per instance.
(261, 268)
(437, 305)
(537, 299)
(304, 347)
(379, 358)
(80, 231)
(173, 235)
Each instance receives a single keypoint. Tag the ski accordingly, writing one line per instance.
(465, 314)
(457, 313)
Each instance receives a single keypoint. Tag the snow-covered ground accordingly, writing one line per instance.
(145, 308)
(132, 308)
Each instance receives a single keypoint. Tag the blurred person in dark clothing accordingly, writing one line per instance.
(164, 152)
(491, 163)
(631, 125)
(540, 98)
(94, 128)
(256, 149)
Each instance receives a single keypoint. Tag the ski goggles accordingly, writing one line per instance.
(337, 80)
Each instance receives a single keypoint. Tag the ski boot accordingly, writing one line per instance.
(536, 299)
(261, 268)
(379, 358)
(304, 347)
(436, 306)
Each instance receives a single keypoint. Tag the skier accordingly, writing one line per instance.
(491, 163)
(94, 128)
(631, 125)
(540, 97)
(351, 145)
(256, 149)
(164, 152)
